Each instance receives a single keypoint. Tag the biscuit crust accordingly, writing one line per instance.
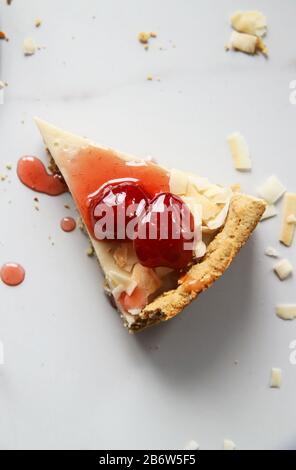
(244, 214)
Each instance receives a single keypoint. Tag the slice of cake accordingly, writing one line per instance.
(161, 236)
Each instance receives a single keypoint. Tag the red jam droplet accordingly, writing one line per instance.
(68, 224)
(114, 207)
(12, 274)
(32, 173)
(163, 232)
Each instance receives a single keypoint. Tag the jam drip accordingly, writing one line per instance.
(32, 173)
(12, 274)
(68, 224)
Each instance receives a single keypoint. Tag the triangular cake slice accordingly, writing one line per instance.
(148, 295)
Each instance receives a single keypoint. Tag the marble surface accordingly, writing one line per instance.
(73, 378)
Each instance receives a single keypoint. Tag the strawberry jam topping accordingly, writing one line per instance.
(114, 208)
(164, 230)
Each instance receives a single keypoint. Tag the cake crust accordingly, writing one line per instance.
(244, 214)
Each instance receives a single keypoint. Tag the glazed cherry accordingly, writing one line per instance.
(114, 209)
(163, 232)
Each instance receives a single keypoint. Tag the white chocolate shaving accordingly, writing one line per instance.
(270, 211)
(289, 215)
(239, 151)
(243, 42)
(272, 252)
(229, 445)
(219, 220)
(121, 282)
(286, 311)
(146, 278)
(194, 199)
(178, 182)
(276, 378)
(236, 188)
(200, 249)
(199, 183)
(250, 22)
(291, 219)
(134, 311)
(29, 46)
(272, 190)
(283, 269)
(192, 445)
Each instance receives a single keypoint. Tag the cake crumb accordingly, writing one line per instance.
(90, 251)
(3, 84)
(8, 166)
(3, 177)
(3, 36)
(38, 22)
(276, 378)
(149, 78)
(66, 206)
(144, 37)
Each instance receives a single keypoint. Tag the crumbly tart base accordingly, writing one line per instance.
(244, 214)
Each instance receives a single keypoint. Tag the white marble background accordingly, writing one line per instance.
(73, 378)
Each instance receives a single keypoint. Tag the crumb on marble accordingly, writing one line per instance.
(90, 251)
(143, 37)
(3, 36)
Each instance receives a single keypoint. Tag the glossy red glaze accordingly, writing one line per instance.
(118, 203)
(156, 244)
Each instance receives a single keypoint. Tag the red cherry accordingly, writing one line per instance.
(117, 204)
(163, 231)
